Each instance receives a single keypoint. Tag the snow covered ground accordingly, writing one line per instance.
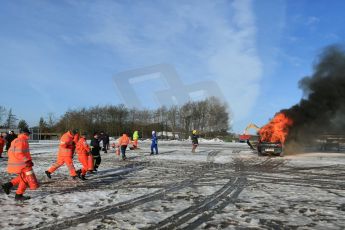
(222, 186)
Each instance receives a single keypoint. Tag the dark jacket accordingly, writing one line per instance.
(95, 148)
(105, 139)
(9, 139)
(195, 139)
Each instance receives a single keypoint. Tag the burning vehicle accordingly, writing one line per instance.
(272, 136)
(271, 148)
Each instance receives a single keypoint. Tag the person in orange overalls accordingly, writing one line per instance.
(83, 151)
(65, 155)
(19, 162)
(75, 140)
(123, 143)
(2, 144)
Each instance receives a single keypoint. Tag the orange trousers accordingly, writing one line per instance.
(63, 160)
(135, 144)
(83, 159)
(20, 180)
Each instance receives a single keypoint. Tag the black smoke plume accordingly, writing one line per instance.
(322, 109)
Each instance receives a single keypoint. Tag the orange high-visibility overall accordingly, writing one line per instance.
(83, 151)
(65, 154)
(19, 162)
(124, 140)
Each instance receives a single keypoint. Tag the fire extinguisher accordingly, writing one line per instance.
(90, 162)
(31, 179)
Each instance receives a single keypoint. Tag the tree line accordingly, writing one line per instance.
(210, 117)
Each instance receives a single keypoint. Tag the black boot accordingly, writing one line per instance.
(151, 153)
(79, 173)
(83, 177)
(48, 174)
(7, 187)
(21, 197)
(74, 177)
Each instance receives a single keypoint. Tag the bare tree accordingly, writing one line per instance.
(42, 124)
(11, 120)
(2, 113)
(172, 116)
(51, 120)
(22, 124)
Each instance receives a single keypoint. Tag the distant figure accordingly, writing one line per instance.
(106, 142)
(65, 154)
(104, 137)
(250, 145)
(195, 141)
(135, 139)
(123, 143)
(154, 143)
(95, 151)
(2, 144)
(9, 138)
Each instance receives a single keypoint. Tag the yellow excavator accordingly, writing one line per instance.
(246, 136)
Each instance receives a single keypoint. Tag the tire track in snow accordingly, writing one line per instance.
(216, 202)
(216, 209)
(211, 155)
(123, 206)
(113, 209)
(102, 178)
(95, 182)
(212, 201)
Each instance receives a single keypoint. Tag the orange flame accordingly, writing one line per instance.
(277, 129)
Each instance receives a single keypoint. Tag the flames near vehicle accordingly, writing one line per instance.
(273, 135)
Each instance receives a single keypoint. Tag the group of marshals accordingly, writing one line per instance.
(20, 161)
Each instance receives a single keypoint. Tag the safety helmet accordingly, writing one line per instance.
(194, 131)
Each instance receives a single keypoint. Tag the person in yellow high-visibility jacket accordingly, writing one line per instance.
(135, 139)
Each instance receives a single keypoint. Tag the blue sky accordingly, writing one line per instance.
(57, 55)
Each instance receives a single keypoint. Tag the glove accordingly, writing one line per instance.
(29, 163)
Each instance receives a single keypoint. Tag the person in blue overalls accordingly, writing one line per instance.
(154, 144)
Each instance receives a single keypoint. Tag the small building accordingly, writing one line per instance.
(50, 136)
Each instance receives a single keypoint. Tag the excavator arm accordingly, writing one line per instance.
(245, 136)
(251, 126)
